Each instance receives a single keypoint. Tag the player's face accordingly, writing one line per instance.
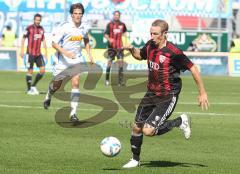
(77, 16)
(156, 35)
(37, 21)
(116, 16)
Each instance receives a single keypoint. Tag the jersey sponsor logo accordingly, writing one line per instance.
(117, 30)
(154, 65)
(75, 38)
(37, 36)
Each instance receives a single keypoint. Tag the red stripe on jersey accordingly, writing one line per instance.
(174, 49)
(34, 42)
(38, 47)
(115, 37)
(30, 40)
(119, 40)
(156, 74)
(111, 31)
(150, 57)
(166, 82)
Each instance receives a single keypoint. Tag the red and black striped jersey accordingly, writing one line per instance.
(115, 31)
(35, 36)
(164, 66)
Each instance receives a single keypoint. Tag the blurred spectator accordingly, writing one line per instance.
(8, 37)
(192, 47)
(235, 45)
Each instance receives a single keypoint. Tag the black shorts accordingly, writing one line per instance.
(112, 53)
(155, 110)
(35, 59)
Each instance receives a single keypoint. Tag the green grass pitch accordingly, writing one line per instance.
(32, 142)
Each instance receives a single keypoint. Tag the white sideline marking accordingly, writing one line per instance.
(121, 110)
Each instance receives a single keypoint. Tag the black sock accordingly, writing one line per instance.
(120, 75)
(29, 81)
(108, 72)
(136, 143)
(168, 125)
(38, 77)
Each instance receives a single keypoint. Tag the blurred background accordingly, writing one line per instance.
(208, 29)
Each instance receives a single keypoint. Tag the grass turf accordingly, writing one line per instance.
(32, 142)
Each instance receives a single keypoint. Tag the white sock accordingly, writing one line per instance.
(48, 96)
(75, 94)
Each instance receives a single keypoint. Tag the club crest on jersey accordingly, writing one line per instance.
(75, 38)
(162, 58)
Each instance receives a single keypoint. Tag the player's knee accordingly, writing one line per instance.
(137, 129)
(75, 82)
(148, 130)
(42, 71)
(56, 85)
(30, 71)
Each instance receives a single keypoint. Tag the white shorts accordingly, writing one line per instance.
(62, 63)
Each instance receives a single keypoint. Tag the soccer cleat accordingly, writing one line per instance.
(132, 163)
(185, 126)
(46, 103)
(30, 92)
(107, 83)
(73, 118)
(34, 90)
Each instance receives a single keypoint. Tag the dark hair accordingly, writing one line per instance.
(37, 15)
(76, 6)
(117, 11)
(8, 27)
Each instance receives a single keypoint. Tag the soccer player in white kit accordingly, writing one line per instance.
(67, 40)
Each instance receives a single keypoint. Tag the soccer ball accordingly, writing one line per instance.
(110, 146)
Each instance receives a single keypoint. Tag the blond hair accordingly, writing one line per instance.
(162, 24)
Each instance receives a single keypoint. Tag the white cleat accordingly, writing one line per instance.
(107, 83)
(132, 163)
(30, 92)
(34, 90)
(185, 126)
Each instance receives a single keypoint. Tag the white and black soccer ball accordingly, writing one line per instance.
(110, 146)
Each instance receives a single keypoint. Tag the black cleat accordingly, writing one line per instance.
(73, 118)
(46, 103)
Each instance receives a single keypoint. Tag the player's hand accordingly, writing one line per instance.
(127, 47)
(70, 55)
(91, 60)
(203, 101)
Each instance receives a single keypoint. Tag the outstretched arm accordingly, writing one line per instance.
(202, 97)
(134, 51)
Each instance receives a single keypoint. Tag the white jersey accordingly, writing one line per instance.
(70, 38)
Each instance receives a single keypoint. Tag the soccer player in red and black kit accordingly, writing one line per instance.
(165, 61)
(114, 31)
(35, 35)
